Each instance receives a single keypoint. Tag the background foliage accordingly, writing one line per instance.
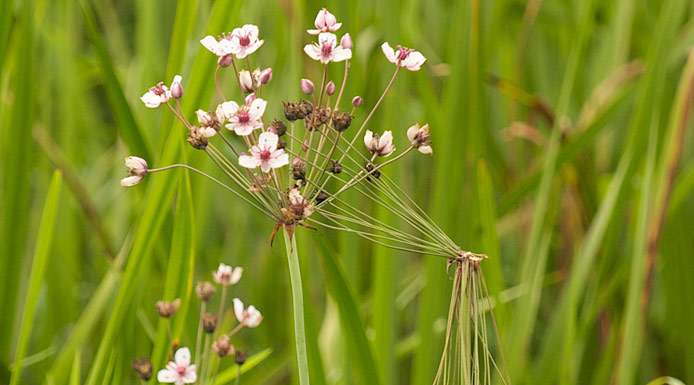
(557, 127)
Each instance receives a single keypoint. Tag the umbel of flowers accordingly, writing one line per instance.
(295, 168)
(182, 369)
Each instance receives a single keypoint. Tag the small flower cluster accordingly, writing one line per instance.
(182, 370)
(293, 166)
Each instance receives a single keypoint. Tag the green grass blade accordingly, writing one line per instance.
(230, 374)
(15, 166)
(127, 126)
(44, 241)
(75, 373)
(350, 316)
(297, 306)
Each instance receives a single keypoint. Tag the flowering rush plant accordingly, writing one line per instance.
(293, 161)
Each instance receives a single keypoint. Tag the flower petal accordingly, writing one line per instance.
(130, 181)
(414, 61)
(211, 44)
(389, 52)
(313, 51)
(238, 309)
(151, 100)
(268, 140)
(341, 54)
(426, 150)
(279, 161)
(248, 161)
(183, 356)
(190, 376)
(167, 376)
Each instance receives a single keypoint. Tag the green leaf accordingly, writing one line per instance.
(44, 242)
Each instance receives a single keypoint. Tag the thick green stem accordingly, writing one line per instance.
(298, 301)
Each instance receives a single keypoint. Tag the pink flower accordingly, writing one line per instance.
(379, 145)
(137, 169)
(244, 40)
(180, 371)
(265, 154)
(246, 118)
(160, 93)
(419, 136)
(221, 46)
(249, 317)
(227, 275)
(325, 22)
(327, 50)
(404, 57)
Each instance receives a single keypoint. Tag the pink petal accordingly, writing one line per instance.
(341, 54)
(335, 27)
(211, 44)
(314, 31)
(248, 161)
(130, 181)
(238, 309)
(329, 38)
(182, 356)
(414, 61)
(266, 166)
(389, 52)
(313, 51)
(257, 109)
(281, 160)
(268, 140)
(167, 376)
(190, 376)
(151, 100)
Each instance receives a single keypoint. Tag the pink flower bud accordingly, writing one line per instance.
(346, 41)
(307, 86)
(250, 98)
(176, 88)
(246, 81)
(225, 61)
(330, 88)
(297, 161)
(266, 76)
(357, 101)
(272, 129)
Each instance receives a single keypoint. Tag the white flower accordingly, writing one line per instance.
(327, 50)
(379, 145)
(418, 137)
(227, 275)
(265, 154)
(243, 119)
(325, 22)
(180, 371)
(408, 58)
(244, 40)
(159, 94)
(249, 317)
(137, 169)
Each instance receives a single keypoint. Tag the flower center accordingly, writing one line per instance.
(244, 40)
(158, 89)
(181, 370)
(403, 52)
(326, 49)
(265, 155)
(243, 117)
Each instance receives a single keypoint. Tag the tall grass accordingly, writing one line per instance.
(563, 149)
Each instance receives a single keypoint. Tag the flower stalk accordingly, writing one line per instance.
(298, 304)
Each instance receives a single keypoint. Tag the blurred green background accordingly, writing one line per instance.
(563, 150)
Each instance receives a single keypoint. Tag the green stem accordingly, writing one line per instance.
(298, 300)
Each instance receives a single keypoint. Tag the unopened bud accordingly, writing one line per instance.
(279, 126)
(265, 76)
(143, 368)
(176, 87)
(168, 309)
(346, 41)
(281, 144)
(222, 347)
(205, 119)
(336, 167)
(209, 322)
(307, 86)
(297, 161)
(250, 98)
(246, 81)
(225, 61)
(205, 290)
(357, 101)
(330, 88)
(240, 357)
(321, 196)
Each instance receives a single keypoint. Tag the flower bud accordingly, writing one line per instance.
(222, 347)
(240, 357)
(307, 86)
(321, 196)
(168, 309)
(205, 119)
(246, 81)
(143, 368)
(297, 161)
(225, 61)
(357, 101)
(279, 126)
(346, 41)
(209, 322)
(265, 76)
(205, 290)
(336, 167)
(176, 88)
(250, 98)
(330, 88)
